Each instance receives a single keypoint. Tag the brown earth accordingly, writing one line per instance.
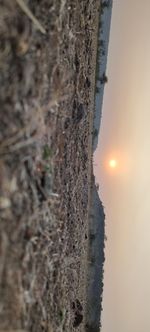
(47, 82)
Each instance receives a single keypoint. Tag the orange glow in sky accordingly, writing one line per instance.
(112, 163)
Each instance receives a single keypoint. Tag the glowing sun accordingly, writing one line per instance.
(112, 163)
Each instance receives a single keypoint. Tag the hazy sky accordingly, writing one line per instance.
(125, 191)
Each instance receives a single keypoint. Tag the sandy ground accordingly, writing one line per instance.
(47, 77)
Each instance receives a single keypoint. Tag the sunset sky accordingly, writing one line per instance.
(125, 188)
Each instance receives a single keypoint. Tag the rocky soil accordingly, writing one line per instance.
(47, 68)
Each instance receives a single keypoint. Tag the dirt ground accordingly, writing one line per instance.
(47, 69)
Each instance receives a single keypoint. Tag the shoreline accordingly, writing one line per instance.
(96, 216)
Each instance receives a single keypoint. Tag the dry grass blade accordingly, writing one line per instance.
(11, 140)
(18, 146)
(28, 12)
(16, 330)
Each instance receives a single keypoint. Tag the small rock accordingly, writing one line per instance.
(5, 203)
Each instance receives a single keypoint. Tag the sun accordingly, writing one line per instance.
(112, 163)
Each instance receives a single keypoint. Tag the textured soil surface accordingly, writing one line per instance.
(47, 80)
